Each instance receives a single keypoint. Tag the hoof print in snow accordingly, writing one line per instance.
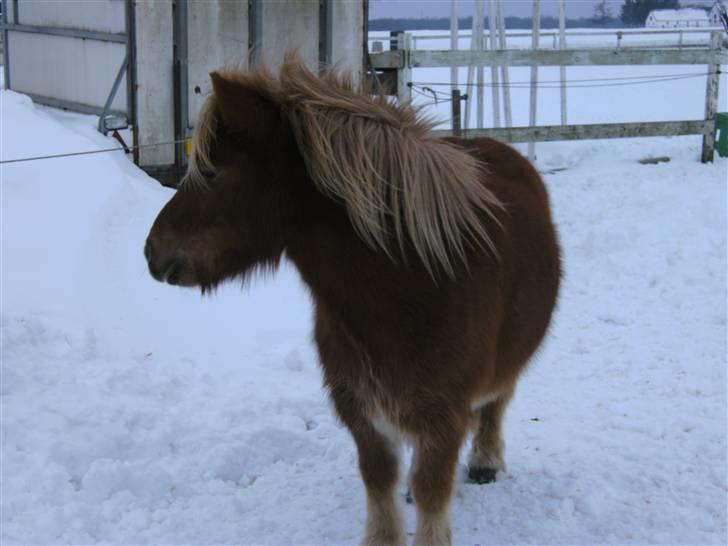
(481, 475)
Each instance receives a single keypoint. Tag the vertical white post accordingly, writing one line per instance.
(155, 94)
(454, 31)
(471, 68)
(534, 74)
(504, 68)
(479, 14)
(562, 68)
(495, 89)
(404, 74)
(711, 97)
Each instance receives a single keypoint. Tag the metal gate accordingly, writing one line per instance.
(70, 54)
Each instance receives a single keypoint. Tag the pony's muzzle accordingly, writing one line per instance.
(172, 270)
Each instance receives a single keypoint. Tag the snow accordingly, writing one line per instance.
(139, 413)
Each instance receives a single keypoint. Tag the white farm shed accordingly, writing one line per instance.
(145, 64)
(719, 15)
(677, 18)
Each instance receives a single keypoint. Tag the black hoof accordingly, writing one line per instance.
(481, 475)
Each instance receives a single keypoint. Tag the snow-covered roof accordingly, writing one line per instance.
(686, 14)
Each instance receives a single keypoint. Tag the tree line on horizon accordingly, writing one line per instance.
(633, 13)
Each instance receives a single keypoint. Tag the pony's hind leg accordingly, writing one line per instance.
(486, 454)
(379, 467)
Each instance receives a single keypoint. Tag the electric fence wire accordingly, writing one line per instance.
(579, 83)
(128, 149)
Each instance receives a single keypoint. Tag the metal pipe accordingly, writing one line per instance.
(534, 75)
(131, 88)
(562, 68)
(456, 119)
(711, 99)
(112, 94)
(181, 79)
(325, 22)
(454, 29)
(68, 32)
(6, 48)
(70, 105)
(504, 68)
(479, 15)
(494, 68)
(255, 31)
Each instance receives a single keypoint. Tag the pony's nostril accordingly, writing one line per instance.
(173, 274)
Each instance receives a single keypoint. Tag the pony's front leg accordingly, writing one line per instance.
(434, 463)
(486, 455)
(379, 466)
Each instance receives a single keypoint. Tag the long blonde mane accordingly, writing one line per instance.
(380, 160)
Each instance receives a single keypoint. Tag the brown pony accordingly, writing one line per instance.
(433, 264)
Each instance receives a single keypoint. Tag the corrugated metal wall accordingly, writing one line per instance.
(68, 53)
(56, 68)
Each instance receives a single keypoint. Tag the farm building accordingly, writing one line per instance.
(677, 18)
(719, 15)
(145, 64)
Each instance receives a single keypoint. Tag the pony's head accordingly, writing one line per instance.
(235, 206)
(271, 155)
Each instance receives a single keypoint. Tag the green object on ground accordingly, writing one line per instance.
(721, 129)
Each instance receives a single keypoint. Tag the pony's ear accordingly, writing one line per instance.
(239, 105)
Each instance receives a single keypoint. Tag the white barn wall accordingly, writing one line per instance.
(155, 92)
(347, 35)
(290, 24)
(98, 15)
(218, 38)
(11, 11)
(81, 71)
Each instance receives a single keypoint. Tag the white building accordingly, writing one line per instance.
(677, 18)
(719, 15)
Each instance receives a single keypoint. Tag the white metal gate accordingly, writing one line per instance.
(70, 54)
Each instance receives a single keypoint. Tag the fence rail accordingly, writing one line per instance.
(546, 57)
(405, 59)
(550, 133)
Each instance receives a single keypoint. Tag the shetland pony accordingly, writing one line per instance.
(433, 265)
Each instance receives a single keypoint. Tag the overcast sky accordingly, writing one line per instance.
(520, 8)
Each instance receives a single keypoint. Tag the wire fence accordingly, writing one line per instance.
(427, 89)
(126, 150)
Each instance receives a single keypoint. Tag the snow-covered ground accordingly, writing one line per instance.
(139, 413)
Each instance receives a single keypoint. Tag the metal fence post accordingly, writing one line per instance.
(534, 75)
(6, 51)
(404, 72)
(456, 119)
(711, 97)
(255, 31)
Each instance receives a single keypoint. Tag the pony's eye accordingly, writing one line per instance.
(207, 172)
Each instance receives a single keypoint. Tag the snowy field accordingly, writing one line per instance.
(139, 413)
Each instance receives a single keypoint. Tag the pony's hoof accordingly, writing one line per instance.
(481, 475)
